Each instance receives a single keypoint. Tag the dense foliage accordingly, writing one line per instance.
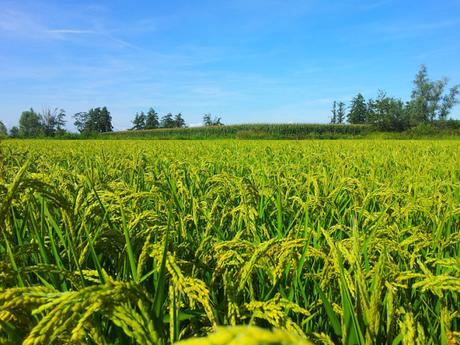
(430, 102)
(50, 122)
(97, 120)
(151, 242)
(150, 120)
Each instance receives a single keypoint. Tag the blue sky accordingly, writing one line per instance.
(244, 60)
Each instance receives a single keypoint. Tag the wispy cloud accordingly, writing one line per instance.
(23, 23)
(70, 31)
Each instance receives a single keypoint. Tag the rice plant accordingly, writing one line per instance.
(158, 242)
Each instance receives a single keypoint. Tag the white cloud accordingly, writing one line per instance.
(70, 31)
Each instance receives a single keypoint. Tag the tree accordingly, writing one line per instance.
(167, 121)
(105, 120)
(14, 132)
(53, 121)
(388, 113)
(81, 121)
(341, 113)
(358, 110)
(179, 121)
(448, 102)
(3, 130)
(139, 121)
(334, 112)
(30, 124)
(48, 122)
(209, 121)
(151, 120)
(428, 101)
(217, 121)
(95, 120)
(60, 122)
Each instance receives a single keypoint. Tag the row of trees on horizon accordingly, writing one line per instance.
(430, 101)
(151, 120)
(51, 122)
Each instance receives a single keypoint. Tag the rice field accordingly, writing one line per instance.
(158, 242)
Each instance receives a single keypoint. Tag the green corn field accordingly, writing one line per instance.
(158, 242)
(249, 131)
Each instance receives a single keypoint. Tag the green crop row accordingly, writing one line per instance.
(249, 131)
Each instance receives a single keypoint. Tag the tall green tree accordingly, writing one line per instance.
(60, 121)
(139, 121)
(167, 121)
(30, 124)
(151, 119)
(95, 120)
(429, 100)
(334, 112)
(358, 110)
(179, 121)
(3, 130)
(448, 102)
(341, 109)
(388, 113)
(105, 121)
(81, 121)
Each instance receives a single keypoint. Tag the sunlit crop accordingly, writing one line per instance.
(154, 242)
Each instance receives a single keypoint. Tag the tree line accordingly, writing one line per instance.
(151, 120)
(51, 122)
(430, 102)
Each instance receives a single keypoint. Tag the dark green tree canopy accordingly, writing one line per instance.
(358, 110)
(341, 109)
(167, 121)
(151, 119)
(430, 101)
(95, 120)
(14, 132)
(179, 121)
(387, 113)
(30, 124)
(139, 121)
